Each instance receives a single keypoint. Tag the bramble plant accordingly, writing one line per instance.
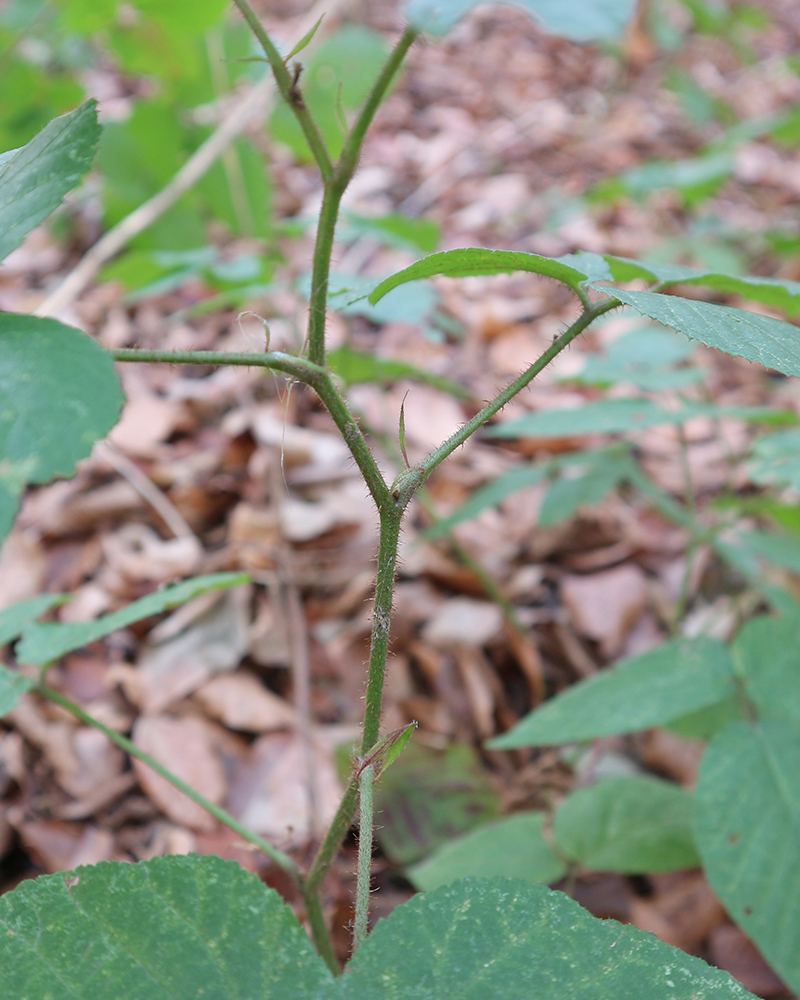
(190, 927)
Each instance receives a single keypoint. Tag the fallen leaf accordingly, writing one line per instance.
(241, 701)
(606, 606)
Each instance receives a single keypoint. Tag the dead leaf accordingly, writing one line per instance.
(241, 701)
(23, 567)
(186, 746)
(731, 950)
(606, 606)
(462, 621)
(138, 553)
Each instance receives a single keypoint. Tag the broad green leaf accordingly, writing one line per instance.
(767, 656)
(782, 293)
(15, 618)
(500, 939)
(473, 261)
(42, 643)
(60, 394)
(707, 722)
(34, 180)
(628, 825)
(357, 367)
(513, 847)
(199, 928)
(618, 416)
(569, 494)
(776, 460)
(175, 928)
(428, 797)
(12, 687)
(747, 827)
(392, 230)
(770, 342)
(578, 20)
(646, 358)
(643, 691)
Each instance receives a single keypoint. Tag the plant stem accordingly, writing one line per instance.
(319, 931)
(588, 316)
(280, 859)
(289, 91)
(391, 516)
(364, 874)
(299, 368)
(335, 185)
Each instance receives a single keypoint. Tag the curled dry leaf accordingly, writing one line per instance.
(241, 701)
(138, 553)
(463, 622)
(186, 747)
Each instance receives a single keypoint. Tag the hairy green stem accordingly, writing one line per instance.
(335, 186)
(436, 457)
(280, 859)
(364, 872)
(391, 517)
(289, 91)
(299, 368)
(319, 930)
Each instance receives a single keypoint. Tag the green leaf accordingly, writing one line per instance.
(199, 928)
(358, 367)
(628, 825)
(747, 826)
(305, 40)
(767, 655)
(12, 687)
(618, 416)
(43, 643)
(60, 394)
(474, 261)
(640, 692)
(511, 848)
(707, 722)
(15, 618)
(394, 229)
(569, 494)
(779, 292)
(34, 180)
(780, 549)
(578, 20)
(509, 940)
(770, 342)
(428, 797)
(776, 460)
(646, 358)
(175, 928)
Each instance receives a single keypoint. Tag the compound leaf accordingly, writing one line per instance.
(60, 394)
(643, 691)
(35, 178)
(747, 827)
(42, 643)
(628, 825)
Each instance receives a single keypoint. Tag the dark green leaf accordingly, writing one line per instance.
(428, 797)
(500, 939)
(34, 180)
(511, 848)
(176, 928)
(477, 261)
(644, 691)
(60, 394)
(747, 826)
(768, 341)
(43, 643)
(578, 20)
(628, 825)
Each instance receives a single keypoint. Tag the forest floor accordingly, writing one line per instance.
(496, 135)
